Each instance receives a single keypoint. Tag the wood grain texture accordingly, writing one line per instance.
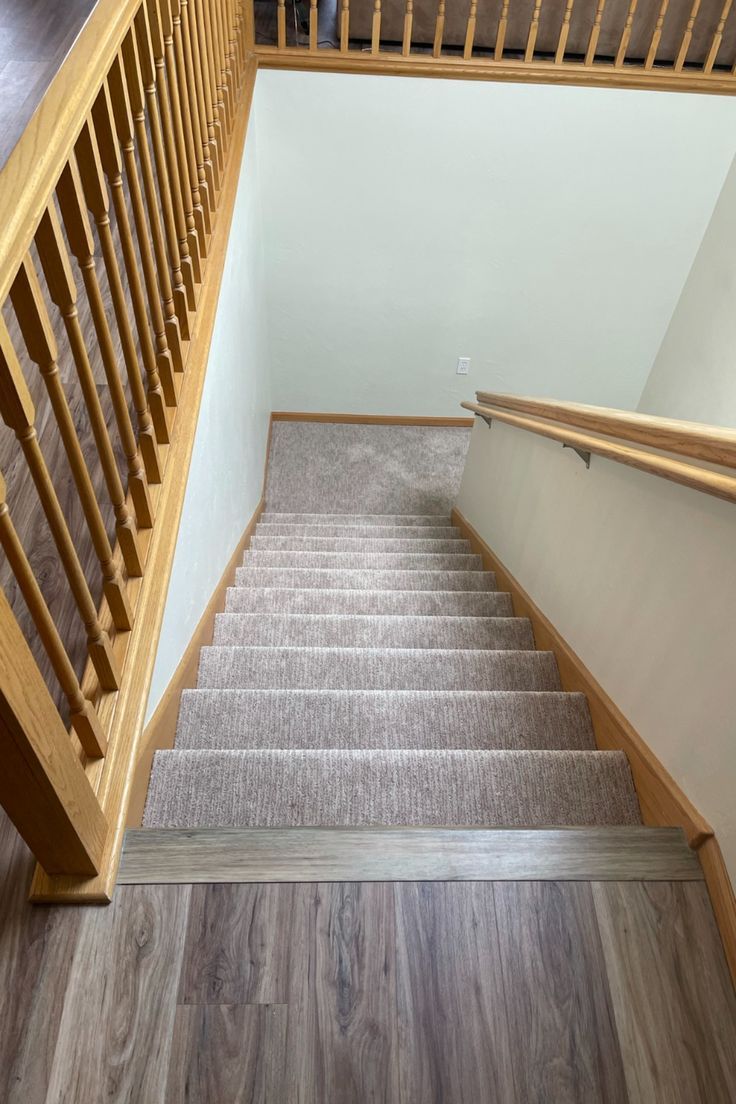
(404, 854)
(721, 897)
(225, 1053)
(556, 994)
(674, 1005)
(453, 1029)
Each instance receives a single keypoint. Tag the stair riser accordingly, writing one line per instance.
(443, 520)
(349, 720)
(374, 532)
(349, 631)
(329, 579)
(369, 669)
(362, 544)
(417, 603)
(365, 561)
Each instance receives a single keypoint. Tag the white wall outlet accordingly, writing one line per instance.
(463, 366)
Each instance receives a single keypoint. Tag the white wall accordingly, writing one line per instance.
(638, 576)
(544, 232)
(226, 474)
(694, 375)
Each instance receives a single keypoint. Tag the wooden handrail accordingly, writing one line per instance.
(688, 475)
(714, 444)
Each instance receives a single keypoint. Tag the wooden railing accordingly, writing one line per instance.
(116, 204)
(563, 422)
(687, 45)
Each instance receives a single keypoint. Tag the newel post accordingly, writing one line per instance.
(43, 787)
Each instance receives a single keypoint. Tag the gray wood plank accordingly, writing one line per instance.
(404, 854)
(238, 944)
(342, 1043)
(673, 997)
(453, 1033)
(565, 1047)
(224, 1053)
(120, 1000)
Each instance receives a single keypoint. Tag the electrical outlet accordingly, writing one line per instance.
(463, 366)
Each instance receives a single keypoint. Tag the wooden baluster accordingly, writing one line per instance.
(63, 290)
(564, 33)
(237, 42)
(345, 25)
(470, 30)
(313, 24)
(717, 38)
(626, 34)
(184, 78)
(158, 365)
(595, 33)
(18, 413)
(83, 716)
(168, 359)
(408, 24)
(95, 192)
(43, 786)
(230, 61)
(197, 115)
(217, 106)
(531, 41)
(74, 214)
(168, 60)
(38, 336)
(656, 36)
(214, 153)
(503, 23)
(376, 27)
(157, 98)
(281, 25)
(687, 37)
(199, 87)
(240, 28)
(223, 91)
(171, 283)
(439, 29)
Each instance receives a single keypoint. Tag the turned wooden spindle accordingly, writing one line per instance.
(168, 356)
(564, 33)
(595, 33)
(626, 34)
(40, 343)
(656, 35)
(221, 118)
(164, 55)
(531, 41)
(687, 37)
(344, 26)
(207, 152)
(237, 43)
(157, 97)
(717, 38)
(314, 24)
(63, 291)
(375, 28)
(74, 213)
(185, 78)
(281, 24)
(503, 22)
(158, 363)
(198, 118)
(82, 713)
(218, 14)
(18, 413)
(470, 30)
(215, 153)
(165, 242)
(151, 405)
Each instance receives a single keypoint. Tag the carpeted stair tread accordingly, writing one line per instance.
(298, 788)
(357, 544)
(375, 669)
(352, 719)
(374, 532)
(366, 579)
(357, 631)
(350, 561)
(435, 603)
(272, 518)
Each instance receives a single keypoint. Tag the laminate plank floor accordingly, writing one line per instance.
(380, 992)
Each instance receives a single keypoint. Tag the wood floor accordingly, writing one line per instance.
(345, 992)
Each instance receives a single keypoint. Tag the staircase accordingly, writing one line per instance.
(367, 672)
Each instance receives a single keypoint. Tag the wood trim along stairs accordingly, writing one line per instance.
(662, 802)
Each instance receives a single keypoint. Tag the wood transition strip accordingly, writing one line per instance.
(170, 855)
(371, 419)
(662, 802)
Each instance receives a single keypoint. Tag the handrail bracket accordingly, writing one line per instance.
(582, 453)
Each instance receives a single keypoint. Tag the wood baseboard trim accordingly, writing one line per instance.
(170, 855)
(662, 801)
(370, 419)
(160, 731)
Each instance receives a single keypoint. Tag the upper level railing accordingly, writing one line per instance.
(563, 422)
(688, 45)
(111, 249)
